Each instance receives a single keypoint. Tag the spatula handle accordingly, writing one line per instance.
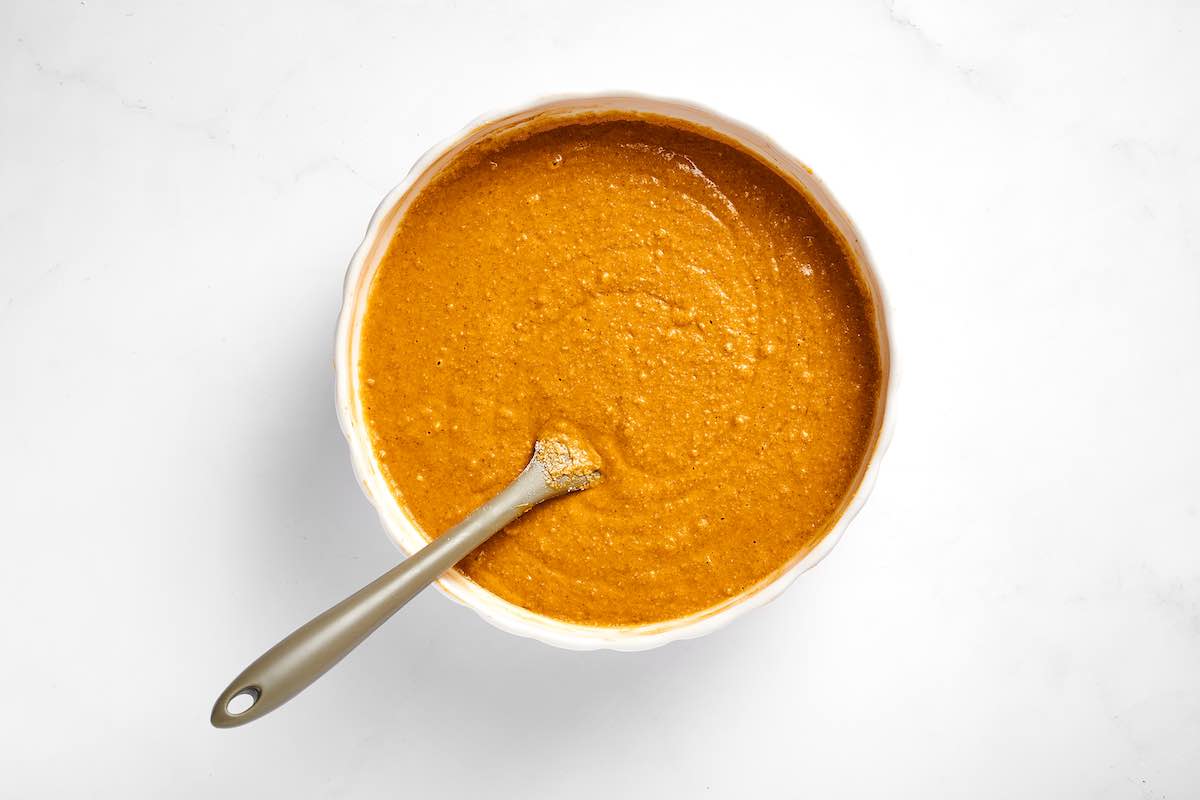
(296, 662)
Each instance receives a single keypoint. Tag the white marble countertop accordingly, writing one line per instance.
(1015, 614)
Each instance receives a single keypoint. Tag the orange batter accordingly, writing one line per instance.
(663, 295)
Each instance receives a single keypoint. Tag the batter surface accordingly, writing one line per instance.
(660, 294)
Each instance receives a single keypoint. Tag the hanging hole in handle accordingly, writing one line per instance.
(243, 701)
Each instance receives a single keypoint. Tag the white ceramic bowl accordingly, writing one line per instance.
(396, 520)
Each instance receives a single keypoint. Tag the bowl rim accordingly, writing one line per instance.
(400, 527)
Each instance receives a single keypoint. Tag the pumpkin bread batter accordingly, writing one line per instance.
(651, 289)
